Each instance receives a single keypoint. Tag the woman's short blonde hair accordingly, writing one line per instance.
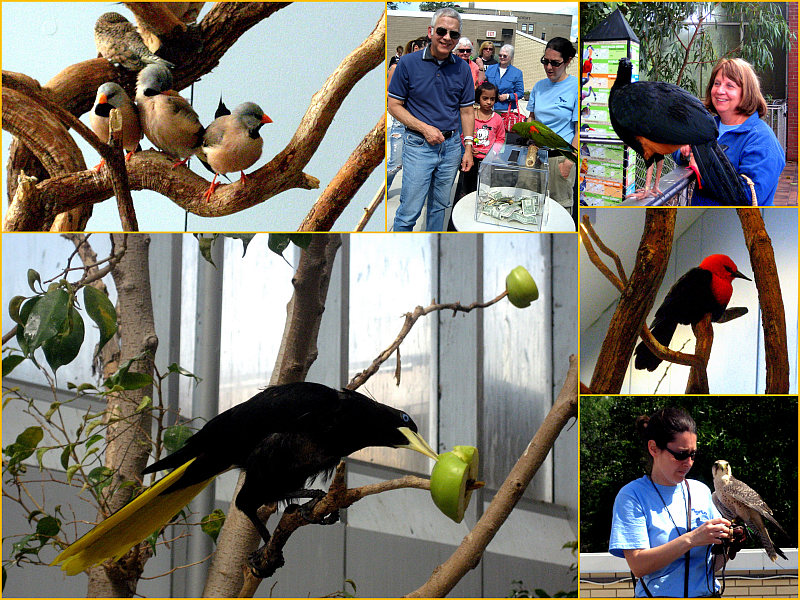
(742, 73)
(484, 46)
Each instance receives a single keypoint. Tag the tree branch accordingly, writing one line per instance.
(410, 319)
(773, 317)
(340, 191)
(370, 210)
(467, 556)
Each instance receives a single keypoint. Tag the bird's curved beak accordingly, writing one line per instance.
(417, 442)
(265, 119)
(739, 275)
(102, 99)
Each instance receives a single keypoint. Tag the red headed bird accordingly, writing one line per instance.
(656, 118)
(702, 290)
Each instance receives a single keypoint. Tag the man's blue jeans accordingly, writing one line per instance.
(428, 170)
(395, 161)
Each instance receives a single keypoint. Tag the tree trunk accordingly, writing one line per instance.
(298, 351)
(773, 317)
(126, 455)
(635, 301)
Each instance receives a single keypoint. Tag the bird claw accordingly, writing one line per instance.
(260, 566)
(306, 511)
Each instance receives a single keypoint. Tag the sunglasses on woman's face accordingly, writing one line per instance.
(554, 63)
(441, 32)
(503, 55)
(467, 50)
(683, 454)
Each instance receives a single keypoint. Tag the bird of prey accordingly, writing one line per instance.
(656, 118)
(111, 95)
(232, 142)
(118, 41)
(283, 437)
(704, 289)
(167, 119)
(735, 499)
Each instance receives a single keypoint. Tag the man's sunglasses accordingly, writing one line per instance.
(683, 454)
(554, 63)
(441, 32)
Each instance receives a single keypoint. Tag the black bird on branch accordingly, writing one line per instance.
(283, 437)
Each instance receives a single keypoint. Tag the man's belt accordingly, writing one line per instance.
(447, 134)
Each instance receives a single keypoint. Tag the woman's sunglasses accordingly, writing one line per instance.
(683, 454)
(441, 32)
(467, 50)
(554, 63)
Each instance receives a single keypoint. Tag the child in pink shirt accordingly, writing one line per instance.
(489, 132)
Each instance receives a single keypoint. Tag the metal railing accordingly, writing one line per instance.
(777, 118)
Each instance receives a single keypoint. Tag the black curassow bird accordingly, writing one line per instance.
(656, 118)
(282, 437)
(704, 289)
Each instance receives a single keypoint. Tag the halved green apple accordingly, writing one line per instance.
(453, 480)
(521, 287)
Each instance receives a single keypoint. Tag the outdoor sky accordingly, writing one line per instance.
(562, 8)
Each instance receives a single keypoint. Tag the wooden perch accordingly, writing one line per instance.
(636, 300)
(773, 317)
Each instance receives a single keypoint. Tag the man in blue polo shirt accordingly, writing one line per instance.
(432, 94)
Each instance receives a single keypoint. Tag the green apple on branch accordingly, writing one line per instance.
(521, 287)
(453, 480)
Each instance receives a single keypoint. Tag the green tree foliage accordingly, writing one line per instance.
(757, 436)
(680, 41)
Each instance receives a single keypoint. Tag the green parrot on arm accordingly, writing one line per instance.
(544, 137)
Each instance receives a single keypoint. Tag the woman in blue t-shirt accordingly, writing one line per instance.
(555, 101)
(734, 96)
(661, 518)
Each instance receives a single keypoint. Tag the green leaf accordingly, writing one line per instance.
(102, 312)
(64, 347)
(46, 318)
(86, 386)
(10, 363)
(33, 277)
(175, 437)
(30, 438)
(278, 242)
(134, 381)
(146, 403)
(93, 440)
(47, 527)
(40, 452)
(205, 245)
(176, 368)
(301, 240)
(21, 547)
(245, 237)
(100, 478)
(151, 539)
(34, 514)
(4, 577)
(212, 523)
(13, 308)
(65, 454)
(71, 472)
(24, 313)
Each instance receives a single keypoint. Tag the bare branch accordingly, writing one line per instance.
(410, 319)
(370, 210)
(359, 166)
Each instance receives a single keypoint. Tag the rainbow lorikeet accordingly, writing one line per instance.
(544, 137)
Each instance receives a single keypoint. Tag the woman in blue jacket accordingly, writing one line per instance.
(734, 96)
(508, 80)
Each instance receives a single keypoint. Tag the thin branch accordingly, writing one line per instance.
(370, 210)
(410, 319)
(340, 191)
(605, 249)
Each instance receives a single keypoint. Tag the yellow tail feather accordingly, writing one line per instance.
(145, 514)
